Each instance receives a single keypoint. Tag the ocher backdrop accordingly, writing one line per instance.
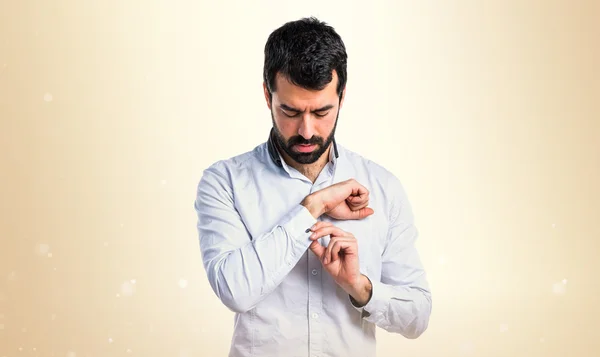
(110, 111)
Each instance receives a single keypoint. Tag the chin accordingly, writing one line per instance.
(306, 159)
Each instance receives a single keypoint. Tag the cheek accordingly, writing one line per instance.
(325, 127)
(287, 127)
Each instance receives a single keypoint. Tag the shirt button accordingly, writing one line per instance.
(315, 315)
(314, 272)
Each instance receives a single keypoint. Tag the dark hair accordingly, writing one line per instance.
(305, 51)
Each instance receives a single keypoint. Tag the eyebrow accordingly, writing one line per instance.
(290, 109)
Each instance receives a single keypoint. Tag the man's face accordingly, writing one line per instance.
(304, 121)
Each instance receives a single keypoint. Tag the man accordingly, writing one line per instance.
(310, 244)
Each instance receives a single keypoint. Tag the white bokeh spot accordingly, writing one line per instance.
(183, 283)
(127, 288)
(503, 327)
(559, 288)
(42, 249)
(48, 97)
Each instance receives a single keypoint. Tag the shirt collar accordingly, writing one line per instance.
(278, 160)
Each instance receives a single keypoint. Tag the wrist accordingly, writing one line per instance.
(313, 205)
(360, 293)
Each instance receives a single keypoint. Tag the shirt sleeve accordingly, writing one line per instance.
(400, 301)
(243, 270)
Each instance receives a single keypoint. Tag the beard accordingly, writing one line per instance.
(303, 157)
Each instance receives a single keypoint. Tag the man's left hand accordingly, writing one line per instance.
(340, 260)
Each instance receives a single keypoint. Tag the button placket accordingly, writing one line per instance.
(315, 291)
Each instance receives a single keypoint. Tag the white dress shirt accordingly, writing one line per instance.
(254, 246)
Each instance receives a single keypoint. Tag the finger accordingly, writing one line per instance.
(359, 191)
(327, 254)
(318, 225)
(333, 249)
(335, 241)
(358, 200)
(340, 247)
(328, 230)
(361, 213)
(356, 205)
(317, 249)
(359, 194)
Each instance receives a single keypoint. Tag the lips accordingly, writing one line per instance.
(305, 148)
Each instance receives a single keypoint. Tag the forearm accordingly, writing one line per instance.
(243, 269)
(242, 277)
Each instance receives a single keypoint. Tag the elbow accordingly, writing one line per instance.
(421, 321)
(233, 297)
(236, 305)
(415, 330)
(233, 289)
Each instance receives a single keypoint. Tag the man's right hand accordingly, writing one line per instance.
(344, 200)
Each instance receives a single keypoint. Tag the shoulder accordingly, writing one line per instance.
(225, 171)
(377, 174)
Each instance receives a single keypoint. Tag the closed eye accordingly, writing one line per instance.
(320, 115)
(290, 116)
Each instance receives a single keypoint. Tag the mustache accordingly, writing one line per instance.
(299, 140)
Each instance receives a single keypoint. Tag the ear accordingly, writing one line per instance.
(343, 97)
(266, 92)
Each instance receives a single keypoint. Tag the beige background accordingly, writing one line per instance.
(110, 111)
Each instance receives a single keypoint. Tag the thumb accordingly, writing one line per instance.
(317, 248)
(363, 213)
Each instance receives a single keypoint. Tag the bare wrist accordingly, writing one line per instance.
(361, 294)
(314, 205)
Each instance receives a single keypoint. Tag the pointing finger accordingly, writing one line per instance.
(320, 224)
(328, 230)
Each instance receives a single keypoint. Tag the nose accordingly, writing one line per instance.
(306, 129)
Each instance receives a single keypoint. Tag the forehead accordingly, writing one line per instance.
(291, 94)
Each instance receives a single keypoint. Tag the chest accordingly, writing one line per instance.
(265, 202)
